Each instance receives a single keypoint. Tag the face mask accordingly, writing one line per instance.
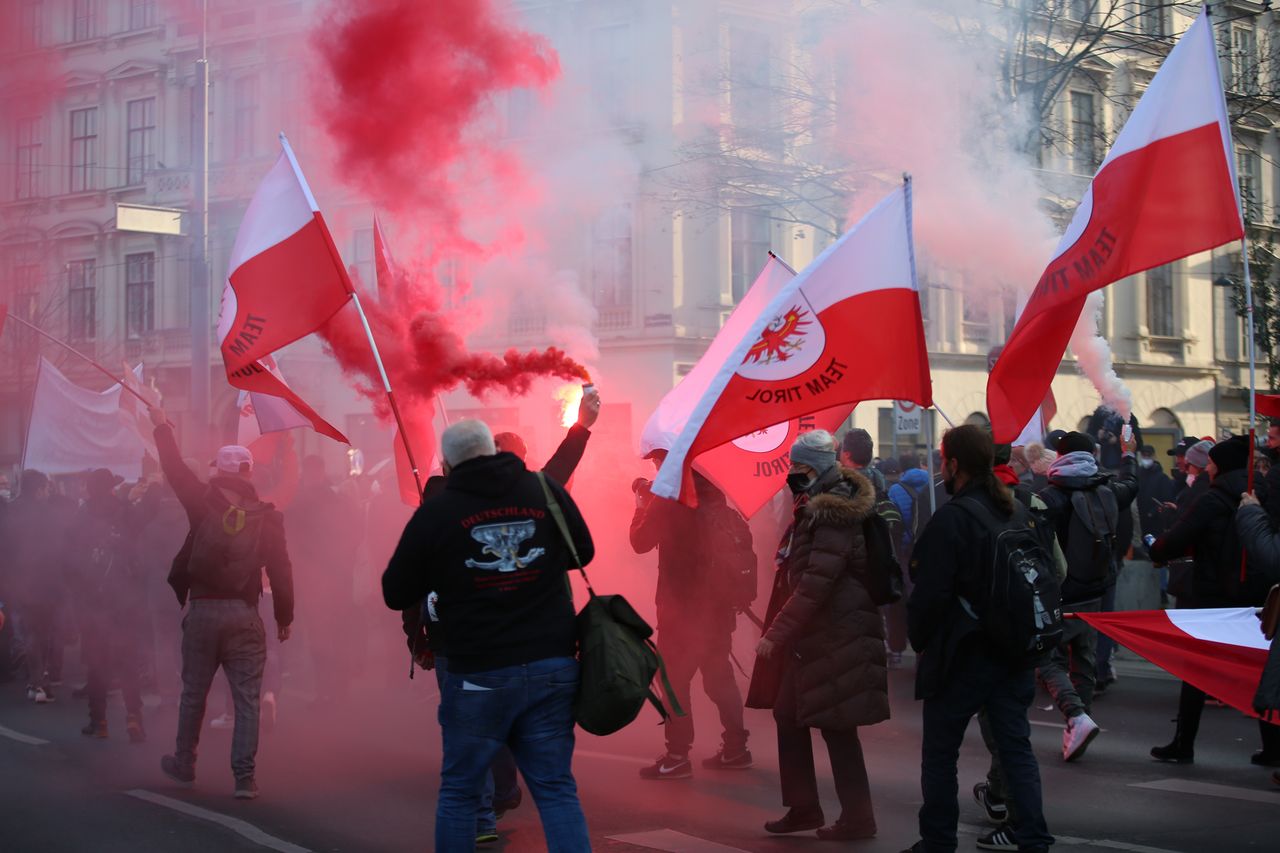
(4, 495)
(1191, 478)
(799, 482)
(1146, 463)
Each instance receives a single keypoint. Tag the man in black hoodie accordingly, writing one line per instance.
(233, 538)
(488, 545)
(1206, 532)
(1085, 506)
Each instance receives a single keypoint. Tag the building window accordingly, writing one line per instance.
(362, 260)
(1151, 18)
(141, 140)
(83, 19)
(245, 118)
(1160, 319)
(84, 149)
(142, 14)
(750, 95)
(1244, 60)
(1084, 133)
(1081, 10)
(611, 69)
(30, 24)
(1249, 173)
(750, 243)
(26, 178)
(139, 294)
(976, 311)
(611, 276)
(82, 301)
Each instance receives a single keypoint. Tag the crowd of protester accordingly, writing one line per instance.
(479, 578)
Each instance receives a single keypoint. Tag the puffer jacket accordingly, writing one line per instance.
(822, 618)
(1202, 533)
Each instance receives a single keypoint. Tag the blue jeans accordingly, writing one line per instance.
(530, 709)
(979, 682)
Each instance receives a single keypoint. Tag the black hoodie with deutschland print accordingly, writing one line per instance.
(489, 548)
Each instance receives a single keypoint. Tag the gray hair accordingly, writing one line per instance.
(817, 439)
(466, 440)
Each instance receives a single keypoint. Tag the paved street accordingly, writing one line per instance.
(366, 782)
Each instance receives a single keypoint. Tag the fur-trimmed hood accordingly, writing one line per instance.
(846, 498)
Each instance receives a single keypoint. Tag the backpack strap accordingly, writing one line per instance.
(553, 506)
(667, 689)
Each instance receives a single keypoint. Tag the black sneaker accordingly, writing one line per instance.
(997, 811)
(841, 831)
(1262, 758)
(669, 767)
(247, 789)
(796, 821)
(724, 760)
(999, 839)
(182, 775)
(95, 729)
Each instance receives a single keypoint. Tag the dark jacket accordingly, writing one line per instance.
(685, 592)
(1155, 487)
(821, 616)
(491, 550)
(947, 565)
(1057, 499)
(1254, 526)
(559, 467)
(198, 499)
(1202, 533)
(32, 545)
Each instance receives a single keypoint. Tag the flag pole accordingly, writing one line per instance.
(938, 409)
(69, 348)
(355, 297)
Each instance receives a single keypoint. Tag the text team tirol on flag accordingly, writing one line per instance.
(799, 354)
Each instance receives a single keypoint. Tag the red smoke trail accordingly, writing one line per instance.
(406, 100)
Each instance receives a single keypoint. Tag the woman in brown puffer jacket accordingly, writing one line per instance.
(821, 662)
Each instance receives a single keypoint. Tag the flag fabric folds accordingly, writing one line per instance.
(847, 328)
(74, 429)
(286, 280)
(1220, 651)
(1166, 190)
(261, 413)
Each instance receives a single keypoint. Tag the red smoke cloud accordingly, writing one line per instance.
(405, 99)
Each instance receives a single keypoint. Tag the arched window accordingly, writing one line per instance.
(978, 419)
(1165, 419)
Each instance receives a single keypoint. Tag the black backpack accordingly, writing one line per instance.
(729, 556)
(225, 556)
(1091, 535)
(883, 579)
(1021, 610)
(617, 662)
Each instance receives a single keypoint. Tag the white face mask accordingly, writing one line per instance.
(1146, 463)
(1191, 478)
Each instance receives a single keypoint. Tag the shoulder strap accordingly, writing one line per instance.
(553, 506)
(978, 511)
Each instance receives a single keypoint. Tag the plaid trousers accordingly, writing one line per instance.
(228, 634)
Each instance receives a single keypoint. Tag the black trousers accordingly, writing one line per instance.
(976, 682)
(1191, 707)
(795, 762)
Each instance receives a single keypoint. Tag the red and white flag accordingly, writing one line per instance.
(286, 280)
(1166, 190)
(846, 329)
(264, 413)
(1220, 651)
(752, 468)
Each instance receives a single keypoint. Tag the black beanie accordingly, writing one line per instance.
(1074, 442)
(1231, 455)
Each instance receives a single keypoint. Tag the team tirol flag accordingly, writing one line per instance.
(286, 280)
(261, 413)
(846, 329)
(1166, 190)
(1220, 651)
(752, 468)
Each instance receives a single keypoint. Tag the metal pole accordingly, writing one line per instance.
(391, 398)
(92, 363)
(950, 422)
(1253, 364)
(933, 492)
(200, 322)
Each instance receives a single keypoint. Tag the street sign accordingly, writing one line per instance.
(908, 418)
(149, 220)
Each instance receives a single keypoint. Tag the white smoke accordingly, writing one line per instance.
(1093, 358)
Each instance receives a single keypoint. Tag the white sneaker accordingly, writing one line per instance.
(43, 697)
(1080, 732)
(223, 721)
(31, 693)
